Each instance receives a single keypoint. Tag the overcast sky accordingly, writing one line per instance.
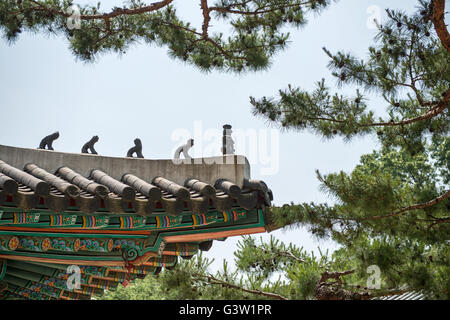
(146, 94)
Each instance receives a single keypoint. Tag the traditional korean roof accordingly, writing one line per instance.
(116, 219)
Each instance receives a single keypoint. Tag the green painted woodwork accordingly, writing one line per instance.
(113, 244)
(33, 286)
(140, 270)
(43, 219)
(46, 280)
(59, 282)
(75, 296)
(32, 268)
(51, 286)
(85, 290)
(41, 244)
(26, 275)
(164, 261)
(7, 295)
(104, 284)
(27, 293)
(61, 269)
(9, 242)
(182, 249)
(34, 244)
(253, 219)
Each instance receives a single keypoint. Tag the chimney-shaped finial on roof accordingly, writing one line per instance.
(227, 141)
(89, 146)
(48, 140)
(136, 149)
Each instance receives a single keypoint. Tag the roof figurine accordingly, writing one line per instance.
(89, 146)
(184, 149)
(48, 141)
(136, 149)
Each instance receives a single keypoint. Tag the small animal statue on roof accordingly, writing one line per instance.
(89, 146)
(136, 149)
(227, 141)
(48, 141)
(184, 149)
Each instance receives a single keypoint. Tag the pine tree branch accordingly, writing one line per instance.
(212, 280)
(106, 16)
(260, 10)
(326, 290)
(206, 17)
(412, 207)
(439, 221)
(286, 254)
(289, 254)
(334, 275)
(335, 290)
(440, 107)
(437, 17)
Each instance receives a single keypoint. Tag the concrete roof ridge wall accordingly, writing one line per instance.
(235, 168)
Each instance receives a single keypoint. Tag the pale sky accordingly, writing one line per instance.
(146, 94)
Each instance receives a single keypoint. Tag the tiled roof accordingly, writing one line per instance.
(31, 187)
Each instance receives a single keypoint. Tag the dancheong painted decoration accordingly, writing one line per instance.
(111, 220)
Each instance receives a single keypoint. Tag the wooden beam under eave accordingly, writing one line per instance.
(212, 235)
